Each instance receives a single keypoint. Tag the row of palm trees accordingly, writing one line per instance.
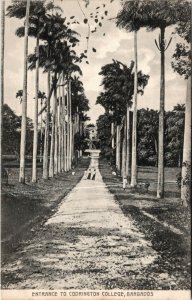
(134, 15)
(53, 53)
(151, 15)
(119, 88)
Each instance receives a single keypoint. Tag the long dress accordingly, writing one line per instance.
(85, 175)
(89, 174)
(93, 175)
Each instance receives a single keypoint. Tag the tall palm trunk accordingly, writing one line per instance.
(128, 148)
(51, 163)
(46, 138)
(78, 130)
(70, 128)
(72, 143)
(112, 133)
(118, 146)
(2, 62)
(64, 128)
(186, 166)
(124, 149)
(35, 127)
(160, 185)
(134, 129)
(24, 102)
(41, 131)
(62, 137)
(2, 49)
(56, 134)
(59, 128)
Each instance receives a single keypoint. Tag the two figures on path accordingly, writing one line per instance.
(90, 174)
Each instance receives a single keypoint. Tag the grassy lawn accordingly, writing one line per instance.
(25, 207)
(165, 222)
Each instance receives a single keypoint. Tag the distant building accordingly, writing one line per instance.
(91, 130)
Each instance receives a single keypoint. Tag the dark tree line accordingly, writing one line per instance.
(147, 138)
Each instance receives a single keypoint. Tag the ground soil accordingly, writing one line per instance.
(101, 237)
(165, 222)
(25, 207)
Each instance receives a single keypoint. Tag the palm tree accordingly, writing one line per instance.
(112, 132)
(64, 144)
(42, 97)
(114, 98)
(60, 133)
(2, 60)
(67, 129)
(128, 146)
(46, 138)
(52, 148)
(118, 147)
(131, 8)
(2, 49)
(35, 127)
(24, 101)
(77, 98)
(118, 84)
(41, 16)
(71, 67)
(186, 166)
(182, 65)
(55, 136)
(70, 123)
(62, 60)
(55, 32)
(159, 14)
(38, 11)
(124, 148)
(134, 130)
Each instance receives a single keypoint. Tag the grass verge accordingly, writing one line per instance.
(25, 207)
(167, 227)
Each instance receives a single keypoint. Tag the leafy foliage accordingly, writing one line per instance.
(147, 135)
(118, 84)
(104, 133)
(174, 132)
(147, 128)
(136, 14)
(11, 132)
(182, 56)
(80, 103)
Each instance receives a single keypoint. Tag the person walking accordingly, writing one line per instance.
(93, 174)
(85, 175)
(89, 173)
(124, 182)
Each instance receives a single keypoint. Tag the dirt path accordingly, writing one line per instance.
(88, 243)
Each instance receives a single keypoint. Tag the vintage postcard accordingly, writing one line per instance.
(95, 149)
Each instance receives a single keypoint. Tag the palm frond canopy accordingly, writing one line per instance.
(50, 27)
(62, 59)
(38, 10)
(151, 14)
(18, 8)
(118, 85)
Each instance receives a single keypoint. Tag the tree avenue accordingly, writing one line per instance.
(151, 15)
(118, 84)
(129, 136)
(53, 53)
(96, 147)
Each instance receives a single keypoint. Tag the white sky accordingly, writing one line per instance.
(116, 44)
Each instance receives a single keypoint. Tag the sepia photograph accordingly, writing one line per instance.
(96, 149)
